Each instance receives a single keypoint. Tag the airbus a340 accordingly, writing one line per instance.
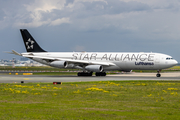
(98, 62)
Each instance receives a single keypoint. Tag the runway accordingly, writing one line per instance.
(117, 77)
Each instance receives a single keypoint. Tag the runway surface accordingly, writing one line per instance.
(116, 77)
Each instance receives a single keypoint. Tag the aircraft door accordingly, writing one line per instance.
(157, 58)
(157, 61)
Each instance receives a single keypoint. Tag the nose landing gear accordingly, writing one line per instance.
(158, 73)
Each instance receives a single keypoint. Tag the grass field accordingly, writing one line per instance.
(91, 100)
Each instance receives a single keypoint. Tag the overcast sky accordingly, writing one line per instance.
(92, 25)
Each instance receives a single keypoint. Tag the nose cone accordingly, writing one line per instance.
(171, 63)
(175, 62)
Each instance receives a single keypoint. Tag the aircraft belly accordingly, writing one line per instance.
(136, 65)
(108, 68)
(41, 61)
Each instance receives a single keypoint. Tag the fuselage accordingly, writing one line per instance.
(122, 60)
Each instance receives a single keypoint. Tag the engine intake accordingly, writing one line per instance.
(94, 68)
(59, 64)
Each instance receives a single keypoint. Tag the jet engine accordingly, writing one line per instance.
(94, 68)
(59, 64)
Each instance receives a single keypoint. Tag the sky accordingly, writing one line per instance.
(92, 25)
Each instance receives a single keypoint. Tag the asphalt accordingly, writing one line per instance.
(175, 76)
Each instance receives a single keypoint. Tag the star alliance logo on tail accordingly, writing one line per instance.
(29, 44)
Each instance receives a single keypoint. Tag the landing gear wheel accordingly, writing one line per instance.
(104, 74)
(158, 75)
(97, 74)
(79, 74)
(100, 74)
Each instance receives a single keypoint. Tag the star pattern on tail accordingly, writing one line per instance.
(29, 44)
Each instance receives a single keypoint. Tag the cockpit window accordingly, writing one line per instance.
(169, 58)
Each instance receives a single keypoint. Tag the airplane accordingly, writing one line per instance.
(98, 62)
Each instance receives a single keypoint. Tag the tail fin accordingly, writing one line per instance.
(29, 42)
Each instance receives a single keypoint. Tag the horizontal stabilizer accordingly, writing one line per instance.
(8, 52)
(13, 52)
(16, 53)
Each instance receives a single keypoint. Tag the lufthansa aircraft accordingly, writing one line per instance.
(98, 62)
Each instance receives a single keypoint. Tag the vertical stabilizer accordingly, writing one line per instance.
(29, 42)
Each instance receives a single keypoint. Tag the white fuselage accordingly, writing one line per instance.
(121, 60)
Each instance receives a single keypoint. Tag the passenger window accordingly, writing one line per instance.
(169, 58)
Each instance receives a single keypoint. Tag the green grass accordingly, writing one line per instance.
(91, 100)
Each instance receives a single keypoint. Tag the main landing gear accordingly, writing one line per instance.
(90, 74)
(100, 74)
(158, 73)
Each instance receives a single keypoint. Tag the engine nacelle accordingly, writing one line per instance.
(59, 64)
(94, 68)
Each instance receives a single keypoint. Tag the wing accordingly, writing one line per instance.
(71, 61)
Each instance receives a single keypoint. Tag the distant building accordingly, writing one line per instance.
(21, 62)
